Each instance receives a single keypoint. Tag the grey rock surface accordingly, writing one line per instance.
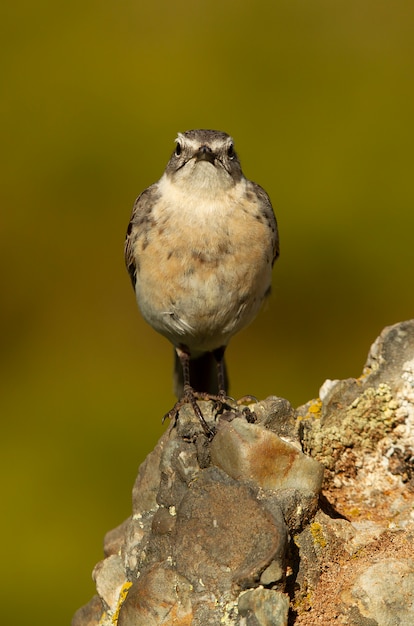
(249, 529)
(383, 592)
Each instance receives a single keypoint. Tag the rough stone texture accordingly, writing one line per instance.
(362, 430)
(247, 529)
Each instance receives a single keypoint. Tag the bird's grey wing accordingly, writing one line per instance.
(138, 228)
(269, 216)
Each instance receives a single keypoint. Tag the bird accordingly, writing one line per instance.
(199, 249)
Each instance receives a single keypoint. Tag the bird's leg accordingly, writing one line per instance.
(223, 398)
(221, 383)
(189, 395)
(184, 356)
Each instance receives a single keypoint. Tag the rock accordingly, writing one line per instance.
(208, 522)
(225, 536)
(159, 597)
(362, 430)
(279, 416)
(382, 593)
(250, 452)
(109, 577)
(302, 517)
(264, 607)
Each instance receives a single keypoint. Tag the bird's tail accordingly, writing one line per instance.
(203, 374)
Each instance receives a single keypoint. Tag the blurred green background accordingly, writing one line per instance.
(319, 97)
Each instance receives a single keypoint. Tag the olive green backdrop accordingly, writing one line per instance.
(319, 97)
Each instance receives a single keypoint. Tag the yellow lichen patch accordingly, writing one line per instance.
(303, 600)
(353, 512)
(314, 409)
(122, 595)
(317, 534)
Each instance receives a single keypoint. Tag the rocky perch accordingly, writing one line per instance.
(284, 517)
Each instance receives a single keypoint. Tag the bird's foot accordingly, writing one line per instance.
(222, 402)
(190, 397)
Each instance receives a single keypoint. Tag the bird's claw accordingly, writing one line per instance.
(221, 402)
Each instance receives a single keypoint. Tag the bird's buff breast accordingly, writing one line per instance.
(203, 273)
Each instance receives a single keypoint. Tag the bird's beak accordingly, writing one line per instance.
(205, 154)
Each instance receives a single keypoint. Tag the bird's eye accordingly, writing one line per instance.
(178, 149)
(230, 151)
